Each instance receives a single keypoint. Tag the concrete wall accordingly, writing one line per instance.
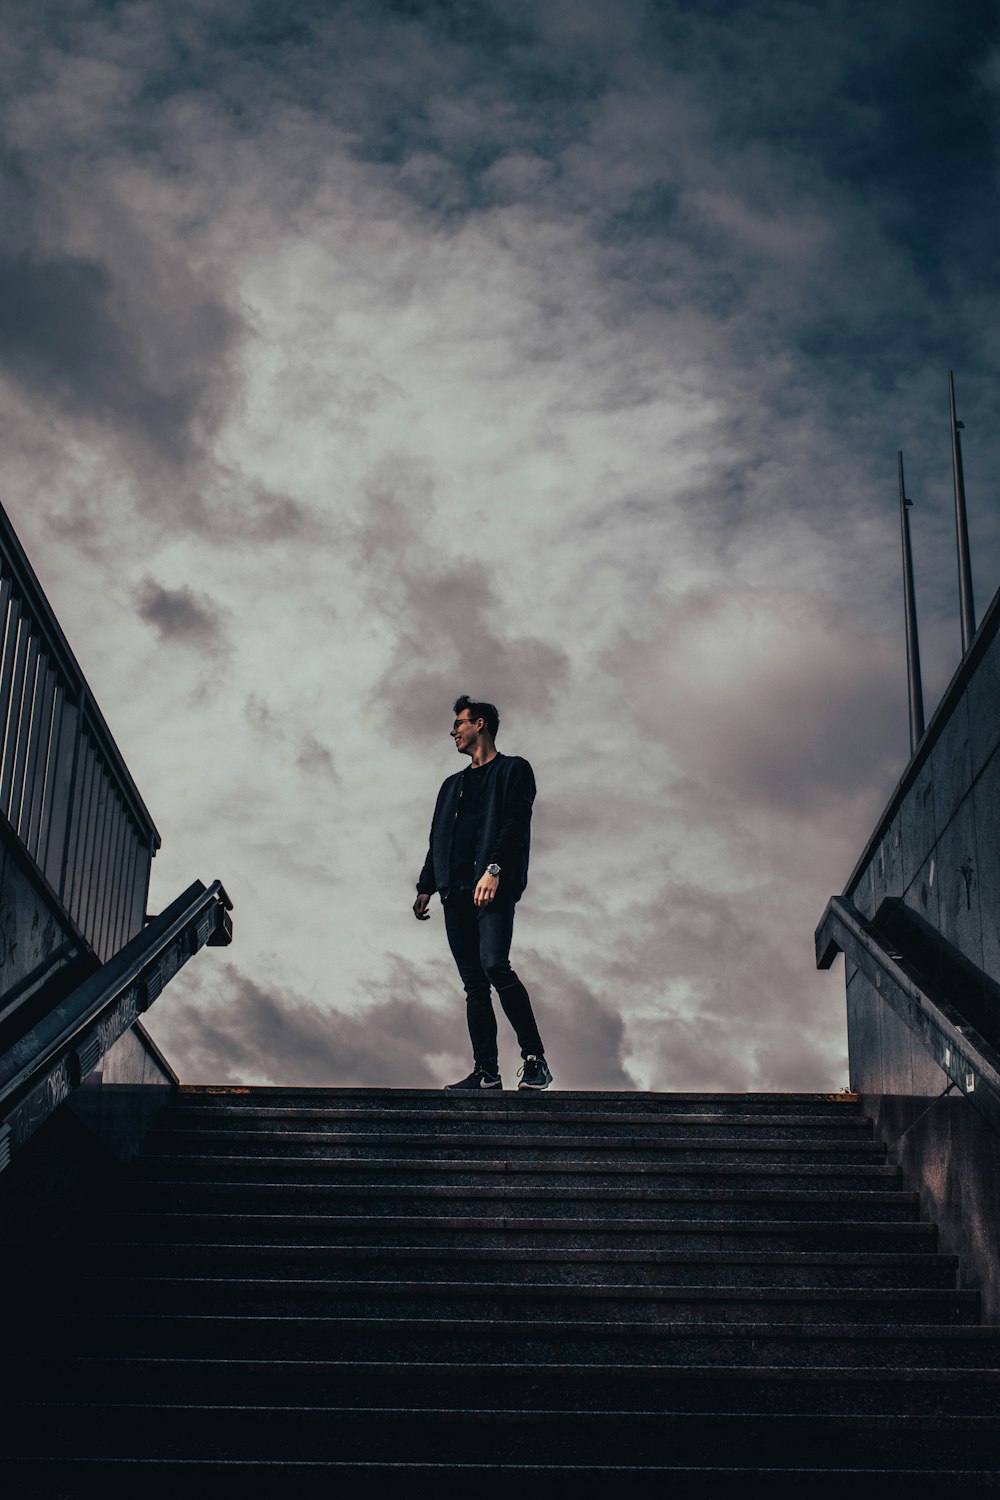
(937, 847)
(122, 1097)
(83, 1146)
(35, 933)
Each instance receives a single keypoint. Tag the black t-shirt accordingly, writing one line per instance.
(463, 843)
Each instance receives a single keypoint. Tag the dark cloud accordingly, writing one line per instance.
(453, 632)
(238, 1030)
(769, 697)
(315, 759)
(180, 616)
(408, 1030)
(584, 1032)
(260, 715)
(281, 728)
(720, 979)
(147, 366)
(689, 274)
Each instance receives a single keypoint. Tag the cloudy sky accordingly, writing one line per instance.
(355, 355)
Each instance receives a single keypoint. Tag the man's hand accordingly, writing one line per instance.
(486, 890)
(420, 907)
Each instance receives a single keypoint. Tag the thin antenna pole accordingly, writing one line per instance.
(967, 606)
(913, 683)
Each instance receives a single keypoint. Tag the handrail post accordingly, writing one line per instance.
(966, 604)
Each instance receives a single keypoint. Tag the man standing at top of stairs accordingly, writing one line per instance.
(477, 860)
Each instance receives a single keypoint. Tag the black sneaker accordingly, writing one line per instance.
(479, 1078)
(535, 1074)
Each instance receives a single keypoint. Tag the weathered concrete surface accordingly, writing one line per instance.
(937, 847)
(943, 1145)
(83, 1147)
(122, 1097)
(36, 935)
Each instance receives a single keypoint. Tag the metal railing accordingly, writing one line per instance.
(42, 1068)
(965, 1057)
(64, 787)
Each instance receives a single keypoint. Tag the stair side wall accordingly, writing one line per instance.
(944, 1147)
(937, 847)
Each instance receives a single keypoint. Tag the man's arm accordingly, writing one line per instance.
(426, 883)
(513, 833)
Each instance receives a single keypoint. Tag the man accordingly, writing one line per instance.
(478, 863)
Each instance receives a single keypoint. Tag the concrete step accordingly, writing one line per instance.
(390, 1199)
(843, 1233)
(541, 1303)
(475, 1340)
(608, 1103)
(415, 1433)
(570, 1387)
(569, 1267)
(329, 1289)
(532, 1118)
(81, 1478)
(421, 1145)
(289, 1168)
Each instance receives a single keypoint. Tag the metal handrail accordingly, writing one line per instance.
(64, 786)
(959, 1050)
(41, 1069)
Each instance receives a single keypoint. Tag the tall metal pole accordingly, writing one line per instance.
(913, 683)
(968, 608)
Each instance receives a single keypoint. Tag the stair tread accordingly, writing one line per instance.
(560, 1290)
(629, 1194)
(535, 1415)
(713, 1374)
(372, 1270)
(642, 1257)
(524, 1112)
(663, 1328)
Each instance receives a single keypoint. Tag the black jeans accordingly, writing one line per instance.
(480, 945)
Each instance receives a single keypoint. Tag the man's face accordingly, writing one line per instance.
(465, 733)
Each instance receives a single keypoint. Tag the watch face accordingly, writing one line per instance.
(493, 869)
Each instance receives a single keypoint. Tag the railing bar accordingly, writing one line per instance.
(34, 734)
(99, 821)
(12, 805)
(125, 926)
(140, 889)
(14, 714)
(51, 783)
(99, 874)
(62, 840)
(25, 719)
(128, 844)
(119, 854)
(104, 873)
(122, 933)
(11, 616)
(106, 884)
(9, 607)
(84, 828)
(39, 762)
(25, 585)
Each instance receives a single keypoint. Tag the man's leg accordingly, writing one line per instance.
(463, 939)
(496, 929)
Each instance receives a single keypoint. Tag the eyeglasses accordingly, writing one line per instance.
(460, 722)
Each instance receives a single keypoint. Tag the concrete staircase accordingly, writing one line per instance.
(324, 1289)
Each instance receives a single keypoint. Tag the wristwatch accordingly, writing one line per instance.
(493, 870)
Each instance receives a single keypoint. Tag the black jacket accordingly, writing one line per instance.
(504, 836)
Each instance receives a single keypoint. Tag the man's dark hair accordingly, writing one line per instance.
(486, 711)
